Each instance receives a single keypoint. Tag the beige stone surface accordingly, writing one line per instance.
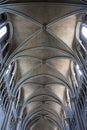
(64, 29)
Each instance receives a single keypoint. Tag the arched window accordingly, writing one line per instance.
(80, 45)
(83, 31)
(5, 36)
(4, 28)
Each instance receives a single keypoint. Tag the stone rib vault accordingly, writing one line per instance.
(40, 88)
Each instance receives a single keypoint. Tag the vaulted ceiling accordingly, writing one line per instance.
(43, 34)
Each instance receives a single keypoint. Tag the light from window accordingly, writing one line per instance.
(9, 68)
(78, 69)
(84, 31)
(3, 31)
